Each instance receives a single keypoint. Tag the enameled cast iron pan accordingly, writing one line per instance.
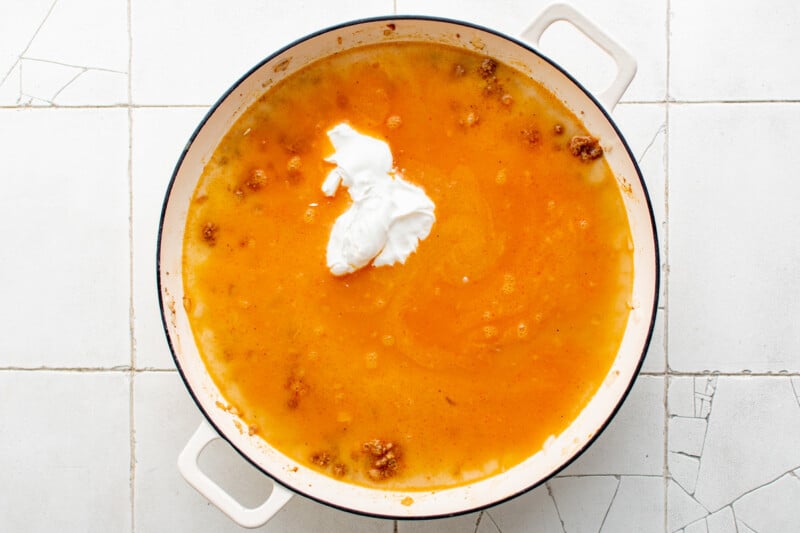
(291, 477)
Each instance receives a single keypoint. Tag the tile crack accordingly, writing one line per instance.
(491, 519)
(558, 513)
(75, 77)
(610, 503)
(770, 482)
(478, 522)
(70, 65)
(796, 392)
(30, 42)
(661, 129)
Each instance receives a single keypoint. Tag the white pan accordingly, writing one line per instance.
(291, 477)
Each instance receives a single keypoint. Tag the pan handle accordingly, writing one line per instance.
(244, 516)
(626, 64)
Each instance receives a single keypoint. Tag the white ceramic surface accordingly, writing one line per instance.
(66, 470)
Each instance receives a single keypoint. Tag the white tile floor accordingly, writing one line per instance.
(98, 97)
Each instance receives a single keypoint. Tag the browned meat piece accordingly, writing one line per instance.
(297, 388)
(321, 458)
(210, 233)
(339, 470)
(257, 179)
(384, 459)
(487, 68)
(585, 147)
(531, 136)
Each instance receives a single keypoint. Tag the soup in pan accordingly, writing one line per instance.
(473, 299)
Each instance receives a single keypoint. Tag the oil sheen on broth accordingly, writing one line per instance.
(459, 363)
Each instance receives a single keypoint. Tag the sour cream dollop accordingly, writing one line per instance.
(389, 216)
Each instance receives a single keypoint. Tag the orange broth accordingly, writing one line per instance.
(459, 363)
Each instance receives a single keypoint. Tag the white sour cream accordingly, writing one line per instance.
(388, 217)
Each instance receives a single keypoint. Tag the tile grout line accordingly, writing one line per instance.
(665, 260)
(131, 412)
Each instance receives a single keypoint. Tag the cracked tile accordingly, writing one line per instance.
(44, 80)
(773, 507)
(633, 443)
(738, 311)
(632, 24)
(11, 88)
(458, 524)
(487, 525)
(697, 527)
(741, 527)
(638, 505)
(796, 388)
(686, 435)
(681, 396)
(704, 388)
(218, 44)
(722, 521)
(534, 507)
(752, 438)
(42, 63)
(705, 385)
(683, 509)
(19, 22)
(683, 469)
(90, 45)
(73, 278)
(582, 502)
(94, 87)
(158, 137)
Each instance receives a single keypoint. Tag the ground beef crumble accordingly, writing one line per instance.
(209, 233)
(487, 68)
(531, 136)
(257, 179)
(384, 459)
(339, 470)
(297, 388)
(321, 458)
(585, 147)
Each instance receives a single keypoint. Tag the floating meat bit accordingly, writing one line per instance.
(384, 459)
(209, 233)
(394, 122)
(321, 458)
(585, 147)
(257, 179)
(531, 136)
(297, 388)
(487, 68)
(339, 470)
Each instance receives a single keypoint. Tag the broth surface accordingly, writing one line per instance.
(459, 363)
